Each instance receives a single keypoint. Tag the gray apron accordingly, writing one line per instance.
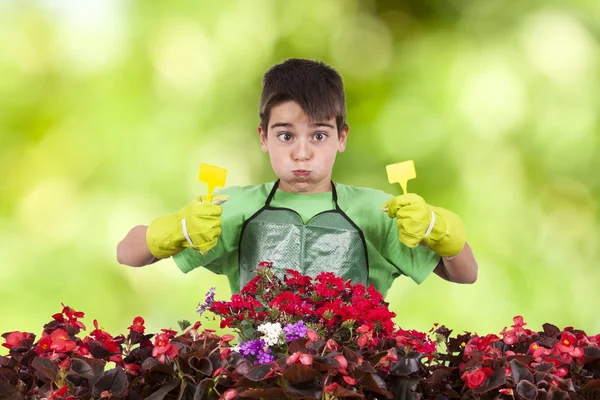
(329, 242)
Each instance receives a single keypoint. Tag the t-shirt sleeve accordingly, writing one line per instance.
(386, 254)
(216, 258)
(416, 263)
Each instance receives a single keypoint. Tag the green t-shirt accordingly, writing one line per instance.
(388, 257)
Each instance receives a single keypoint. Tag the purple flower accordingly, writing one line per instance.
(295, 331)
(210, 298)
(264, 357)
(252, 348)
(258, 350)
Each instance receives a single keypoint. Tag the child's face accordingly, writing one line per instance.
(302, 151)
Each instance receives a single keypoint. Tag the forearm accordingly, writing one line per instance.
(460, 269)
(133, 250)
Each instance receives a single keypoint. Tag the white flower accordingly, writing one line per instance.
(271, 332)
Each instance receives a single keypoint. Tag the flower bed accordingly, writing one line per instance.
(299, 338)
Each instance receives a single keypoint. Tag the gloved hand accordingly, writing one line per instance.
(419, 223)
(197, 225)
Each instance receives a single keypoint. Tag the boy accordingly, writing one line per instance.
(303, 220)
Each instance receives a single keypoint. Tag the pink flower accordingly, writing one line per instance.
(332, 345)
(229, 394)
(305, 359)
(312, 336)
(341, 361)
(511, 336)
(566, 350)
(163, 348)
(538, 352)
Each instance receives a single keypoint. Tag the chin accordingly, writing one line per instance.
(297, 185)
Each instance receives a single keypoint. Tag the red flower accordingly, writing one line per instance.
(226, 323)
(71, 317)
(328, 284)
(289, 303)
(132, 369)
(116, 358)
(84, 348)
(297, 279)
(138, 325)
(331, 388)
(99, 334)
(475, 378)
(251, 287)
(15, 339)
(227, 338)
(71, 313)
(65, 364)
(264, 265)
(61, 341)
(225, 353)
(561, 371)
(479, 344)
(349, 380)
(169, 332)
(60, 393)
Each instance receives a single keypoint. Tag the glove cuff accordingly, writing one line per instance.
(447, 235)
(164, 236)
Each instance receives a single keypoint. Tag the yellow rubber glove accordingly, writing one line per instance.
(197, 225)
(419, 223)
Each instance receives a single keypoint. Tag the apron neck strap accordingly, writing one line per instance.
(276, 185)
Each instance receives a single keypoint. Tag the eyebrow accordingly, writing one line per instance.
(313, 125)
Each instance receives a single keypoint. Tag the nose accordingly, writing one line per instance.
(301, 151)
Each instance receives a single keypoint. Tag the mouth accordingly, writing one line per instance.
(301, 172)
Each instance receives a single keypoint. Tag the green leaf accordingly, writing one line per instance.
(184, 324)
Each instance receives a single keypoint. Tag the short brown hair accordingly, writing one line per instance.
(314, 85)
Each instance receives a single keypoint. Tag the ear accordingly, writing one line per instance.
(263, 139)
(342, 137)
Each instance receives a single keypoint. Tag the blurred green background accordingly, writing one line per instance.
(108, 107)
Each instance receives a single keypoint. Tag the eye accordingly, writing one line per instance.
(320, 136)
(284, 136)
